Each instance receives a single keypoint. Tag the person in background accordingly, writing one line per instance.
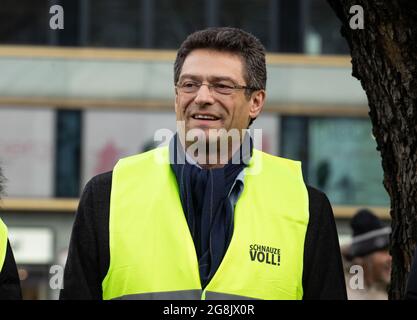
(9, 279)
(368, 250)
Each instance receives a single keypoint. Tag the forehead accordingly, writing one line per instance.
(207, 63)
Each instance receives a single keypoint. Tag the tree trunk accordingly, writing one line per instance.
(384, 59)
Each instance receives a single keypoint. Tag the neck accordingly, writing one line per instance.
(217, 154)
(212, 156)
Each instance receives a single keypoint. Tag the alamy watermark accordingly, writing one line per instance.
(356, 280)
(211, 146)
(56, 281)
(357, 20)
(57, 20)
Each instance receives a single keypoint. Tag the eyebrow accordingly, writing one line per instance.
(211, 78)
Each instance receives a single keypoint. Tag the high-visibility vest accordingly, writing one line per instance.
(3, 243)
(152, 254)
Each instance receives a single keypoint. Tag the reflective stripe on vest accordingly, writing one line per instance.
(172, 295)
(182, 295)
(152, 253)
(3, 243)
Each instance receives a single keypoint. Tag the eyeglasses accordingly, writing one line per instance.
(218, 87)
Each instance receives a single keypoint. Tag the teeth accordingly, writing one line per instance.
(205, 117)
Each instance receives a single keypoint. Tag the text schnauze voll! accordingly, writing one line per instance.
(265, 254)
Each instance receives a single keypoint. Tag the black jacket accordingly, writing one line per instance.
(89, 254)
(9, 279)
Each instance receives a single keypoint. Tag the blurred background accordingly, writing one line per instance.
(74, 101)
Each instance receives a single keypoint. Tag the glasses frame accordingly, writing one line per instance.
(212, 86)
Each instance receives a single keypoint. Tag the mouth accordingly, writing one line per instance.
(204, 117)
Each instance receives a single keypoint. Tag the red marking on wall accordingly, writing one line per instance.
(107, 157)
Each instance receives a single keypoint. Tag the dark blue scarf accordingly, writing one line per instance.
(204, 197)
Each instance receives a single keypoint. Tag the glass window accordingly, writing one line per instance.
(281, 25)
(339, 157)
(174, 20)
(344, 162)
(250, 15)
(24, 22)
(322, 34)
(111, 23)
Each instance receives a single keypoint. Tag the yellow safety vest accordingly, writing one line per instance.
(152, 254)
(3, 243)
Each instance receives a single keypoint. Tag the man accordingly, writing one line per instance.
(9, 279)
(223, 224)
(369, 251)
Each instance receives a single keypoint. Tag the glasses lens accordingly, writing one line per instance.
(220, 88)
(223, 88)
(189, 87)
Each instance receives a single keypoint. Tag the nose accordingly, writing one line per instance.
(204, 95)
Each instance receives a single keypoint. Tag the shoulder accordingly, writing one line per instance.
(321, 212)
(275, 161)
(276, 171)
(94, 207)
(96, 191)
(99, 183)
(101, 180)
(316, 197)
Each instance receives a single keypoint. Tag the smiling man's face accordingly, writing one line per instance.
(207, 109)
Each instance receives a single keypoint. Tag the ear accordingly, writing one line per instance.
(176, 99)
(257, 103)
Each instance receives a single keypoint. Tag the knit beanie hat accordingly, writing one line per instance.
(369, 234)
